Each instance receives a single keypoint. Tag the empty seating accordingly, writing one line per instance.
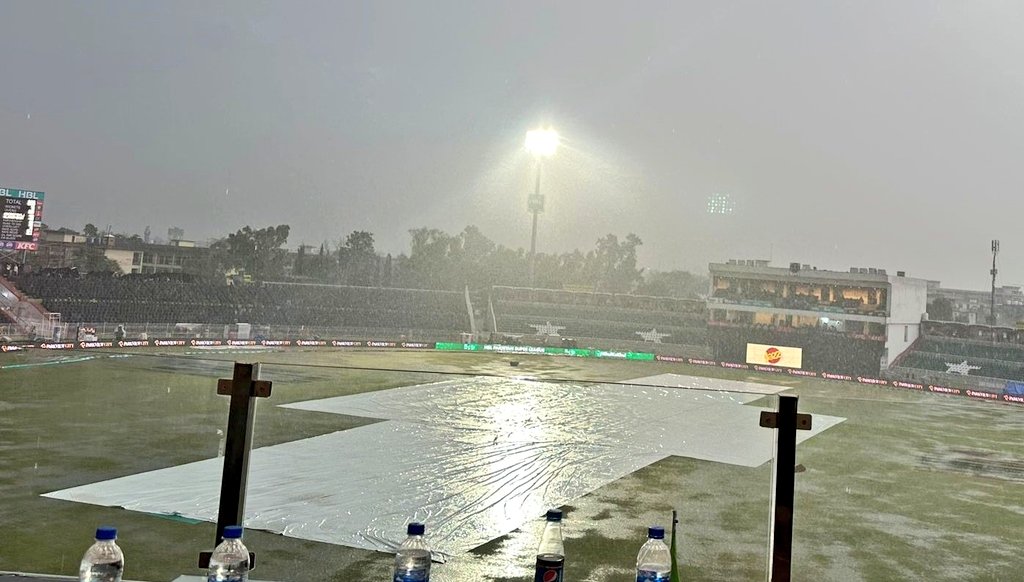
(168, 300)
(600, 315)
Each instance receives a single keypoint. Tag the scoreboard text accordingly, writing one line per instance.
(21, 216)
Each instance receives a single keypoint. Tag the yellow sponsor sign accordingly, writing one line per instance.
(775, 355)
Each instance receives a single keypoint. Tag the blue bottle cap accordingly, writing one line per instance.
(416, 529)
(106, 532)
(232, 532)
(554, 515)
(656, 532)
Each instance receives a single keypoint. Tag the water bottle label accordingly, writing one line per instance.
(651, 576)
(416, 576)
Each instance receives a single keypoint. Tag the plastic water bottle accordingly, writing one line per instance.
(551, 551)
(654, 562)
(412, 562)
(230, 559)
(103, 561)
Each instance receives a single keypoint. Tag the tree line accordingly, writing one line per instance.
(436, 260)
(441, 260)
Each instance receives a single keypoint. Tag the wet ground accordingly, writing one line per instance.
(907, 478)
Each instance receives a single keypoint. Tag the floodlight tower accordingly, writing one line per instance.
(992, 306)
(542, 143)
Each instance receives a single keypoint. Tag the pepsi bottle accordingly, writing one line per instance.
(551, 551)
(549, 568)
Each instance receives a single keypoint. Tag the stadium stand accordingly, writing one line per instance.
(753, 294)
(584, 315)
(1004, 360)
(179, 299)
(823, 350)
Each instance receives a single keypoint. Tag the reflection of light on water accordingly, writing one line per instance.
(516, 419)
(516, 550)
(522, 441)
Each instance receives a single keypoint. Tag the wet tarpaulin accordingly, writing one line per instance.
(473, 458)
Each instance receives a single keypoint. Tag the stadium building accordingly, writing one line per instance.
(857, 322)
(63, 248)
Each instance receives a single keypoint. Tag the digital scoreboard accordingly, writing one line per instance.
(21, 217)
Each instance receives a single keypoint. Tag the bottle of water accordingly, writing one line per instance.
(551, 539)
(230, 559)
(412, 562)
(103, 561)
(654, 562)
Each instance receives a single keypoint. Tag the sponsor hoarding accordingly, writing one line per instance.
(775, 355)
(511, 349)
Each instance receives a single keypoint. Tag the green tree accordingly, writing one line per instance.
(940, 309)
(682, 284)
(299, 268)
(93, 260)
(259, 252)
(212, 263)
(358, 259)
(612, 266)
(91, 230)
(428, 265)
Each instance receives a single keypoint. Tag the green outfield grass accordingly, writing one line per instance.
(911, 487)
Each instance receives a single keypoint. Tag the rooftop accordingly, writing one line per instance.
(761, 268)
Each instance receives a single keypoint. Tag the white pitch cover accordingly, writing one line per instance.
(473, 458)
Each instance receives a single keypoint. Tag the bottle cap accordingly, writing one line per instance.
(656, 532)
(232, 532)
(554, 515)
(106, 532)
(416, 529)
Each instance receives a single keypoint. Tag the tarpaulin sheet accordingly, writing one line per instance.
(473, 458)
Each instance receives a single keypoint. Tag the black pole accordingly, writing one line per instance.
(243, 388)
(785, 462)
(237, 447)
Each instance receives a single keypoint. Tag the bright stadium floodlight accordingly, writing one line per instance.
(542, 142)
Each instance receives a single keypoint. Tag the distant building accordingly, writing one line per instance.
(855, 322)
(974, 307)
(134, 256)
(64, 247)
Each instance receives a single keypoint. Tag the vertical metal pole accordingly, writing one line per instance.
(533, 250)
(785, 461)
(533, 236)
(992, 307)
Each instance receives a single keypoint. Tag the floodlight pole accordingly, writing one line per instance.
(536, 205)
(992, 306)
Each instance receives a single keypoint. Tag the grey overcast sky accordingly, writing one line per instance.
(847, 133)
